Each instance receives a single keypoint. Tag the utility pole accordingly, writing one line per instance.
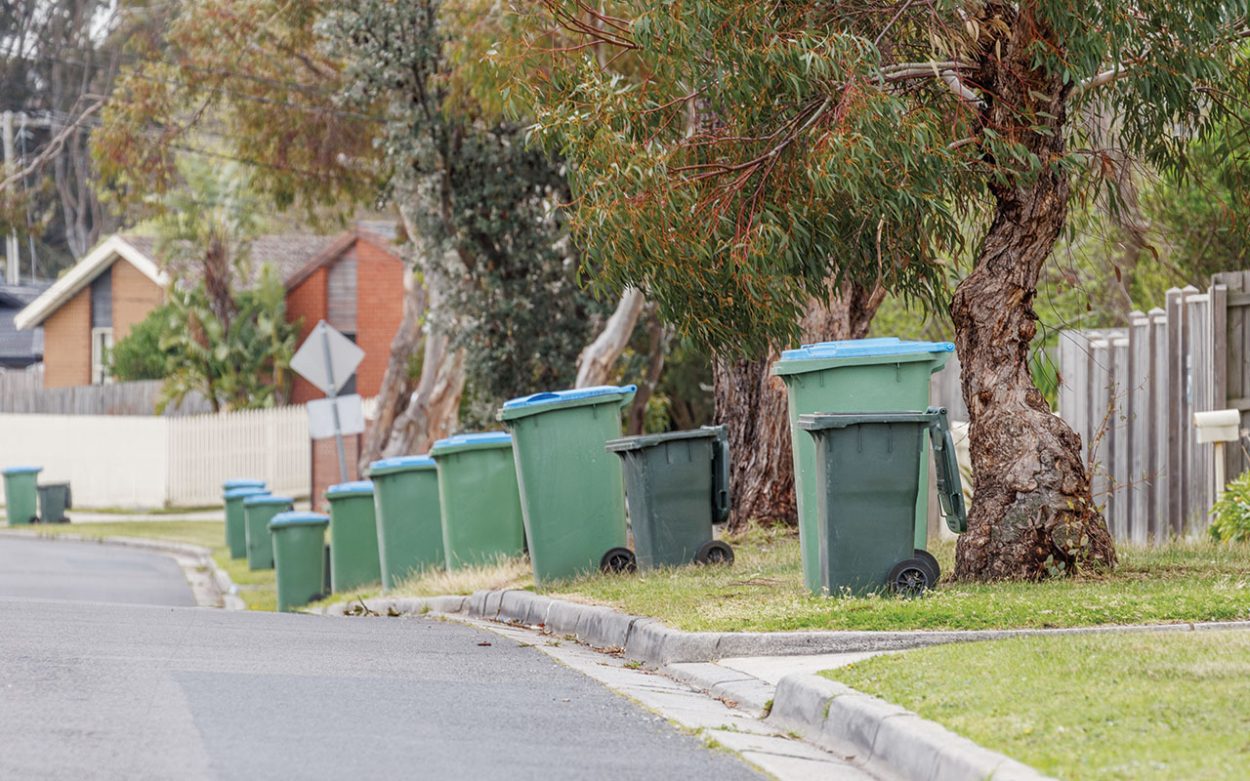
(12, 260)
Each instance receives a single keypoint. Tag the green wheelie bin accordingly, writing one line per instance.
(21, 496)
(410, 526)
(354, 558)
(478, 498)
(54, 500)
(299, 557)
(257, 512)
(571, 487)
(855, 375)
(676, 487)
(236, 522)
(868, 464)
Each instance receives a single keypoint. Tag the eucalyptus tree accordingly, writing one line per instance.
(739, 160)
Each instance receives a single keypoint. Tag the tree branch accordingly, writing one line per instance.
(54, 146)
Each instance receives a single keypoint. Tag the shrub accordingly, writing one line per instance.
(139, 356)
(1230, 517)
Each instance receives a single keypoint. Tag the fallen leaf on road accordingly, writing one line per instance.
(483, 643)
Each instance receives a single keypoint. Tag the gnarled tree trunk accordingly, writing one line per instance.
(397, 384)
(751, 404)
(409, 419)
(1032, 514)
(658, 336)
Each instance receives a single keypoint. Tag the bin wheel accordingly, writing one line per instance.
(909, 578)
(935, 570)
(715, 552)
(618, 560)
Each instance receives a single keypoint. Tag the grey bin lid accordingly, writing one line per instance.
(653, 440)
(822, 421)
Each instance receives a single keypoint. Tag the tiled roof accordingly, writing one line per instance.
(287, 253)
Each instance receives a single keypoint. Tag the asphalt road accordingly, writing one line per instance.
(95, 686)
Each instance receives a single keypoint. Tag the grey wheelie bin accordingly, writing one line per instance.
(676, 487)
(478, 499)
(257, 512)
(868, 465)
(571, 488)
(410, 526)
(855, 375)
(20, 495)
(354, 560)
(299, 557)
(54, 500)
(236, 529)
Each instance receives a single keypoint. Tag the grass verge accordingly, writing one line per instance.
(257, 588)
(763, 591)
(1140, 706)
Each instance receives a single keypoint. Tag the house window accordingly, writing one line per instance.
(101, 345)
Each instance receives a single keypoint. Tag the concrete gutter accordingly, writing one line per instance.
(210, 584)
(896, 742)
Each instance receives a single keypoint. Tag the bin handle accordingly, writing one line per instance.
(949, 487)
(720, 476)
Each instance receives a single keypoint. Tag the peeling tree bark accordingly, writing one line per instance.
(751, 404)
(595, 364)
(397, 385)
(431, 409)
(1032, 514)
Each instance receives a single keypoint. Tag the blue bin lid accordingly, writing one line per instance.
(298, 518)
(401, 464)
(471, 441)
(548, 398)
(248, 490)
(881, 347)
(354, 488)
(22, 470)
(260, 499)
(242, 483)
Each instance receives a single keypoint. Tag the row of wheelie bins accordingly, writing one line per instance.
(27, 501)
(557, 482)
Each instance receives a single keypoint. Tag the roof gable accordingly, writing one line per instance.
(83, 273)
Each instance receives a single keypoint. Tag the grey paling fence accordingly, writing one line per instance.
(23, 392)
(945, 390)
(1131, 393)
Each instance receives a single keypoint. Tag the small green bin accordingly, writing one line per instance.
(571, 488)
(856, 375)
(676, 487)
(54, 500)
(354, 558)
(229, 485)
(236, 521)
(410, 525)
(868, 465)
(478, 498)
(21, 497)
(258, 511)
(299, 557)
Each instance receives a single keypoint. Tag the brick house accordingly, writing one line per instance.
(354, 281)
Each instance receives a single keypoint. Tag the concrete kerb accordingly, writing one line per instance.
(900, 743)
(892, 739)
(211, 584)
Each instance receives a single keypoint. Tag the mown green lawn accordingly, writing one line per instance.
(763, 591)
(256, 588)
(1100, 707)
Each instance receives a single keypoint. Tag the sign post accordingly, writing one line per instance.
(327, 359)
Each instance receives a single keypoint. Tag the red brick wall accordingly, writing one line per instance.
(325, 467)
(67, 343)
(379, 309)
(307, 302)
(134, 298)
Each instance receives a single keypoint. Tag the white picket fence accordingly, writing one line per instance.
(153, 462)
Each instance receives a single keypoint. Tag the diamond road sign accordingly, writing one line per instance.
(324, 354)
